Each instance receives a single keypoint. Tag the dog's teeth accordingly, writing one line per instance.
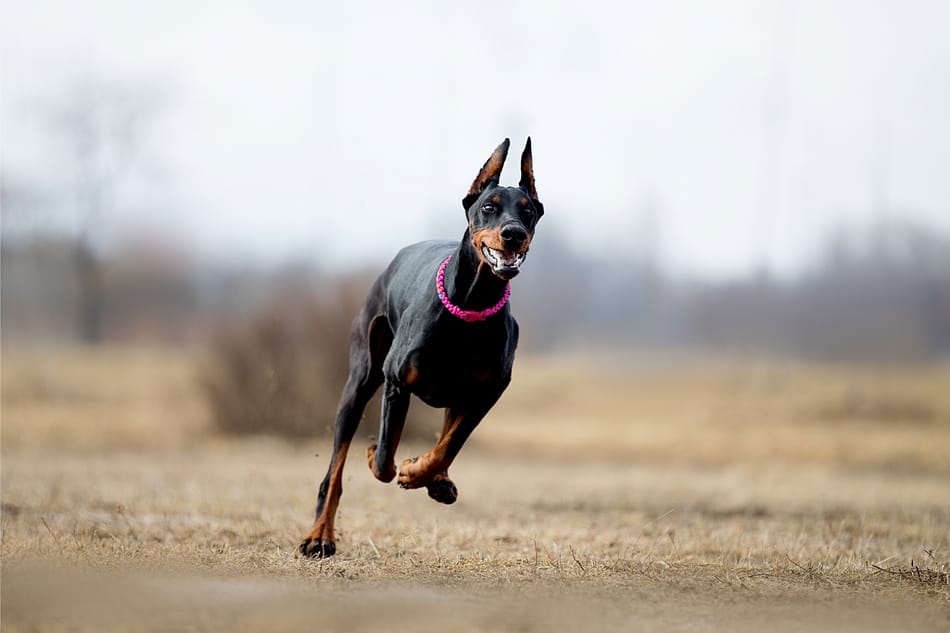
(501, 258)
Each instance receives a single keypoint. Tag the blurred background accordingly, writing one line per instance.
(733, 376)
(729, 179)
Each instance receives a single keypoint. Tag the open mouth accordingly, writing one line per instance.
(505, 263)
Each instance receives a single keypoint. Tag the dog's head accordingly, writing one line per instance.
(501, 220)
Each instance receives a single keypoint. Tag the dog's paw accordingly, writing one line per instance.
(318, 543)
(316, 548)
(409, 474)
(443, 490)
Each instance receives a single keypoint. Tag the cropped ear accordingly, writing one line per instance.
(488, 174)
(527, 171)
(527, 178)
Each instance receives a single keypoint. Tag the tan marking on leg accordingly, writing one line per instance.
(421, 471)
(371, 461)
(411, 375)
(323, 527)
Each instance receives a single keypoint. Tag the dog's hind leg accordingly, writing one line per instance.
(364, 379)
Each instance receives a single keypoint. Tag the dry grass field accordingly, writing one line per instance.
(598, 495)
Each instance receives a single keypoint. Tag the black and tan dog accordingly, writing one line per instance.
(435, 324)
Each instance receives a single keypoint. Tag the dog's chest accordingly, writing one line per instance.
(447, 370)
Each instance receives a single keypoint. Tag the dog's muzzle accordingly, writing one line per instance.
(506, 264)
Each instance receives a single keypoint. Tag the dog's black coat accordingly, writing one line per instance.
(405, 339)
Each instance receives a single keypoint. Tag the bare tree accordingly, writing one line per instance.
(101, 126)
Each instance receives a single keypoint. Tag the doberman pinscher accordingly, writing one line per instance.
(435, 324)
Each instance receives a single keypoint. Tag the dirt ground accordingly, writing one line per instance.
(697, 495)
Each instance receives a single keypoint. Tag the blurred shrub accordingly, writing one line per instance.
(280, 370)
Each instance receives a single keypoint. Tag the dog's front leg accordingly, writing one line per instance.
(381, 456)
(432, 468)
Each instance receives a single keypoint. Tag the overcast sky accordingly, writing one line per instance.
(342, 131)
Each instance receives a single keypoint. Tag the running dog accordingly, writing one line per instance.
(436, 324)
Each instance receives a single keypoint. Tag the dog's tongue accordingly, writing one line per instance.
(507, 258)
(503, 259)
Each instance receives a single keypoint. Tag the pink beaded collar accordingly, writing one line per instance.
(469, 316)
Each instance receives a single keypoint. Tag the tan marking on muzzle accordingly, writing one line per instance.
(491, 237)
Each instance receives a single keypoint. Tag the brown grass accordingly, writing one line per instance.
(683, 496)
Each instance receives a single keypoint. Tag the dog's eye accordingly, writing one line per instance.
(488, 208)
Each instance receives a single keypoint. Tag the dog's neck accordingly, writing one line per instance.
(469, 282)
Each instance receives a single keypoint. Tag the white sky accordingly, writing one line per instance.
(343, 131)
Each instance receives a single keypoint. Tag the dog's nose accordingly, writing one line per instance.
(513, 235)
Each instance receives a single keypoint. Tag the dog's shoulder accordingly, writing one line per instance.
(413, 265)
(409, 280)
